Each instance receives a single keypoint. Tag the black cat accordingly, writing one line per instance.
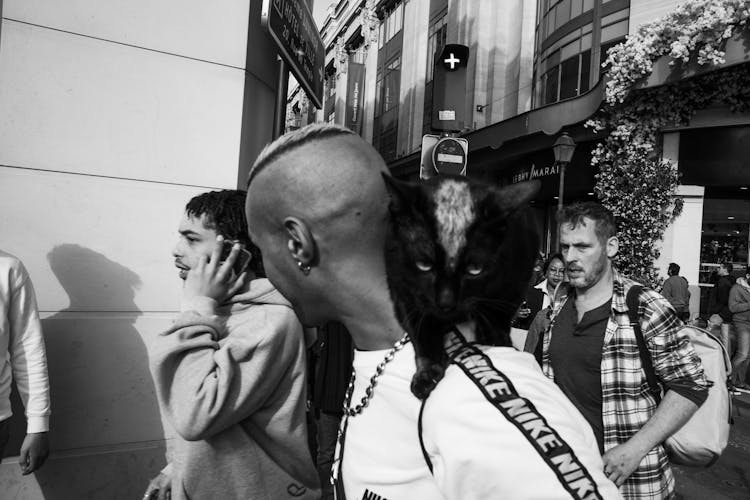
(457, 250)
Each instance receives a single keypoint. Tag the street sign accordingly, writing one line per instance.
(450, 154)
(427, 167)
(290, 23)
(447, 155)
(449, 88)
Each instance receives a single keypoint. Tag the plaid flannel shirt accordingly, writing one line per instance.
(627, 402)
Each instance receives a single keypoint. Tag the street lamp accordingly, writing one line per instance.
(563, 148)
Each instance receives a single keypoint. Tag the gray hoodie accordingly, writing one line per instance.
(231, 381)
(739, 301)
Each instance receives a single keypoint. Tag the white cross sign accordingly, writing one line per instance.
(452, 60)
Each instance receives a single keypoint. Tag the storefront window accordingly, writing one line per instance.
(725, 237)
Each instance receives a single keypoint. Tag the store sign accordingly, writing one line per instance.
(535, 173)
(292, 26)
(354, 96)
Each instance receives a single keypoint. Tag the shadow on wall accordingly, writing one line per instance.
(105, 417)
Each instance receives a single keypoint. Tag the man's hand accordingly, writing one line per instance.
(212, 278)
(160, 488)
(524, 313)
(34, 452)
(621, 461)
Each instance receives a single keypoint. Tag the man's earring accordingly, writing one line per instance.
(303, 267)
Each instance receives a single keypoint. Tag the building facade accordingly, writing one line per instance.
(380, 58)
(114, 114)
(535, 72)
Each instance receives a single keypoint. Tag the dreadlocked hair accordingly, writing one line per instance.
(224, 212)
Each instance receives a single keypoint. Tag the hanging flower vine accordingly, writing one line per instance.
(633, 179)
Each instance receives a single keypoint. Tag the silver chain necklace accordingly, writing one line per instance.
(356, 410)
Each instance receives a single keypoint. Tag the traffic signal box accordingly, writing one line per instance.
(449, 89)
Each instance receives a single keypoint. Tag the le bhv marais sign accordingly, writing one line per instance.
(528, 174)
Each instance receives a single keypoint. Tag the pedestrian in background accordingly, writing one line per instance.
(721, 316)
(675, 290)
(739, 305)
(333, 371)
(590, 351)
(230, 371)
(24, 360)
(537, 272)
(538, 299)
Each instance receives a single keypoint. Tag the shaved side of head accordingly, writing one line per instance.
(292, 140)
(317, 207)
(327, 176)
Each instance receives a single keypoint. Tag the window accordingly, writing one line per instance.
(378, 93)
(585, 71)
(565, 80)
(329, 91)
(435, 42)
(563, 69)
(391, 84)
(551, 80)
(576, 8)
(569, 77)
(388, 83)
(391, 25)
(563, 13)
(613, 31)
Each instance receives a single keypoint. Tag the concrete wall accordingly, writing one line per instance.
(113, 115)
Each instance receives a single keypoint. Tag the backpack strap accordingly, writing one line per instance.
(633, 302)
(421, 440)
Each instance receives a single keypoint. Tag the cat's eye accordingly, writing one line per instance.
(424, 266)
(474, 269)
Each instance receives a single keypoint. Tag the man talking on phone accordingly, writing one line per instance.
(230, 371)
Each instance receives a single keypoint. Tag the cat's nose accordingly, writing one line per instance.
(446, 300)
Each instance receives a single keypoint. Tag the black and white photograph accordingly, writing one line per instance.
(375, 250)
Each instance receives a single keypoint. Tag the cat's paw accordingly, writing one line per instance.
(425, 380)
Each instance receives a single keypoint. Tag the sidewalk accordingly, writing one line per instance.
(742, 400)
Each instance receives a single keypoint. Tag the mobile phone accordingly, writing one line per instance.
(243, 258)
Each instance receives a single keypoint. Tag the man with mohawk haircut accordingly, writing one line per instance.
(318, 209)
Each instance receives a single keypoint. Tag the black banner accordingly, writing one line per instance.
(355, 96)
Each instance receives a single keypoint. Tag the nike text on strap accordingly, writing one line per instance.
(498, 390)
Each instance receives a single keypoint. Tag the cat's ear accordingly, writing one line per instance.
(509, 199)
(402, 193)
